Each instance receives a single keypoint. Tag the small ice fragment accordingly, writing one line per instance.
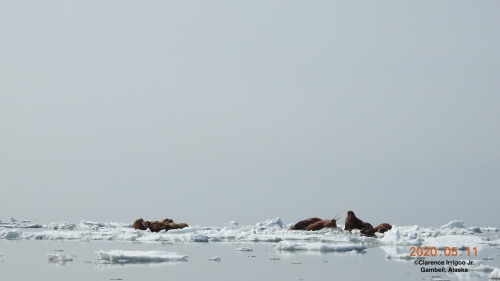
(295, 262)
(455, 223)
(217, 259)
(243, 249)
(488, 259)
(274, 259)
(59, 257)
(138, 256)
(233, 223)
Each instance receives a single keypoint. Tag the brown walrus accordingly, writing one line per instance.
(157, 226)
(352, 222)
(381, 228)
(141, 224)
(176, 225)
(167, 221)
(322, 224)
(302, 225)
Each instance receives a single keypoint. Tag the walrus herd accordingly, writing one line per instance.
(351, 223)
(157, 226)
(310, 224)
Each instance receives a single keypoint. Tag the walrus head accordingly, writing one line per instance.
(350, 214)
(333, 222)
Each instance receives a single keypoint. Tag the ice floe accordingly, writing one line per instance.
(273, 231)
(293, 246)
(138, 256)
(495, 274)
(59, 257)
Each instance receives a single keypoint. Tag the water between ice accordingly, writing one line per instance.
(27, 260)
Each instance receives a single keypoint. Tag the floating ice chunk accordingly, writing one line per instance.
(233, 223)
(475, 230)
(32, 225)
(217, 259)
(495, 274)
(59, 257)
(262, 238)
(455, 223)
(182, 230)
(489, 229)
(393, 237)
(292, 246)
(243, 249)
(60, 225)
(10, 234)
(138, 256)
(271, 223)
(404, 256)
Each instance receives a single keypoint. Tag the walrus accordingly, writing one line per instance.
(322, 224)
(167, 220)
(303, 224)
(157, 226)
(381, 228)
(352, 222)
(176, 225)
(141, 224)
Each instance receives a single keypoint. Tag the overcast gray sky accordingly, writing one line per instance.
(212, 111)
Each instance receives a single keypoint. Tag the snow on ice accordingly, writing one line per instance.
(138, 256)
(274, 231)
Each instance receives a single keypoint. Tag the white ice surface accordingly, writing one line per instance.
(495, 274)
(455, 223)
(138, 256)
(292, 246)
(269, 231)
(59, 257)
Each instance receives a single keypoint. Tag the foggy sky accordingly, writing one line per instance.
(212, 111)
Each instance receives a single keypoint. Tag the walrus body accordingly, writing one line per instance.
(176, 225)
(381, 228)
(157, 226)
(352, 222)
(302, 225)
(322, 224)
(141, 224)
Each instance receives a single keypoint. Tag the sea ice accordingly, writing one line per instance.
(270, 223)
(458, 241)
(59, 257)
(139, 256)
(292, 246)
(10, 234)
(455, 223)
(495, 274)
(214, 259)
